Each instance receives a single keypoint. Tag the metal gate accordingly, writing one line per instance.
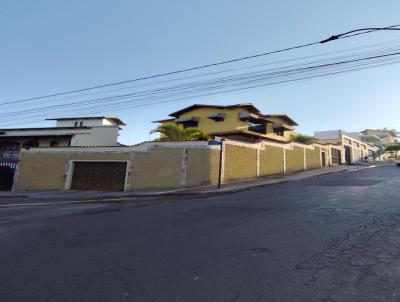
(336, 157)
(98, 176)
(323, 159)
(347, 154)
(7, 171)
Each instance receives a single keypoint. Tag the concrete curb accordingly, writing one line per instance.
(175, 193)
(252, 186)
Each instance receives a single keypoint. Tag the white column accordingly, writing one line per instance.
(69, 170)
(284, 159)
(128, 174)
(184, 167)
(223, 162)
(320, 156)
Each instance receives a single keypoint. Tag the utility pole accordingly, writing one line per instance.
(220, 163)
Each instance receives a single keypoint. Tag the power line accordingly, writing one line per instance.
(332, 38)
(272, 72)
(94, 111)
(360, 31)
(242, 81)
(369, 46)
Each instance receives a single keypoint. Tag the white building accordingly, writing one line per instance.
(346, 147)
(73, 131)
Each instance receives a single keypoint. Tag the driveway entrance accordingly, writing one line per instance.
(347, 155)
(7, 170)
(98, 176)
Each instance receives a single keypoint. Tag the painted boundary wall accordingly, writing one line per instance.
(243, 160)
(158, 165)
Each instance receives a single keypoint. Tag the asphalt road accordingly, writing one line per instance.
(330, 238)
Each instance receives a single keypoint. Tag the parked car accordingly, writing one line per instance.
(398, 162)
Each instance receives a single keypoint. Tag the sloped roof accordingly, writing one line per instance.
(250, 107)
(164, 120)
(286, 118)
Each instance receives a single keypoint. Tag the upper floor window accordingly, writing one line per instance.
(191, 124)
(217, 117)
(76, 124)
(188, 122)
(80, 124)
(279, 132)
(347, 141)
(259, 128)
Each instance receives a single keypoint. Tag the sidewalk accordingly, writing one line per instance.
(70, 197)
(242, 185)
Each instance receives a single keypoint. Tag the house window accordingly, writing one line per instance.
(76, 124)
(80, 124)
(190, 124)
(279, 132)
(259, 128)
(347, 141)
(217, 117)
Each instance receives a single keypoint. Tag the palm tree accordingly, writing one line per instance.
(175, 133)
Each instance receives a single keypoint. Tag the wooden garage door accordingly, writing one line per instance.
(103, 176)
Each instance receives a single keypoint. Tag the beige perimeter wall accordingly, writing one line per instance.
(168, 167)
(41, 171)
(313, 158)
(271, 161)
(240, 162)
(157, 168)
(295, 159)
(160, 166)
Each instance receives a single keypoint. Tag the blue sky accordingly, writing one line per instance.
(53, 46)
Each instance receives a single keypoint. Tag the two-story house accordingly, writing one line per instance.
(239, 121)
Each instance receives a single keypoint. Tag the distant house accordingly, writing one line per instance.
(70, 131)
(345, 147)
(385, 136)
(239, 121)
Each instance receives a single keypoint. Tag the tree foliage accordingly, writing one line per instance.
(393, 148)
(175, 133)
(302, 138)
